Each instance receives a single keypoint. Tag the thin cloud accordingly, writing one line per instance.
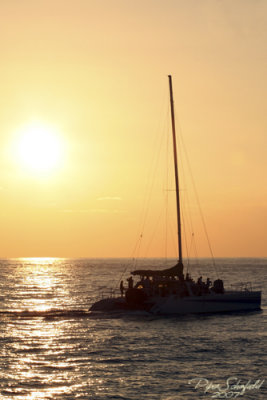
(105, 210)
(113, 198)
(94, 211)
(75, 211)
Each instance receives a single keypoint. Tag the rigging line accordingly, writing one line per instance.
(152, 165)
(167, 197)
(195, 249)
(204, 223)
(185, 202)
(187, 206)
(188, 229)
(136, 245)
(121, 276)
(173, 235)
(185, 239)
(191, 244)
(154, 232)
(156, 167)
(196, 195)
(149, 187)
(188, 216)
(138, 252)
(166, 226)
(191, 230)
(169, 220)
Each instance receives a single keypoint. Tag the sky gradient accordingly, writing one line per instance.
(96, 71)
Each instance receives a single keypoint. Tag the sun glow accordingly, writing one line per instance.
(39, 148)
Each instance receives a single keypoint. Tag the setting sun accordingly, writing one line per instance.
(85, 103)
(39, 148)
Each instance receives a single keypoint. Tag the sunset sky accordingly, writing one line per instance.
(84, 110)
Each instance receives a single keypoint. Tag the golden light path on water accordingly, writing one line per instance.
(41, 279)
(38, 344)
(46, 346)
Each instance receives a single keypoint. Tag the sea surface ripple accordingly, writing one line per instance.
(53, 347)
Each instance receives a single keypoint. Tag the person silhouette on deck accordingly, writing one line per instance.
(199, 281)
(121, 288)
(130, 282)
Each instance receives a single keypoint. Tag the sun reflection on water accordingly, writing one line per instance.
(40, 283)
(39, 359)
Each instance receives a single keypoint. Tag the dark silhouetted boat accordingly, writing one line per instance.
(169, 291)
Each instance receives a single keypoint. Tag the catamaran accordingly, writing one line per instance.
(170, 291)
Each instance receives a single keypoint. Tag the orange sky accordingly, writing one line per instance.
(94, 74)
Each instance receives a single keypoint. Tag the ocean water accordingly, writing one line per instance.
(52, 347)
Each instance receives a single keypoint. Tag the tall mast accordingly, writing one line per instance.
(180, 260)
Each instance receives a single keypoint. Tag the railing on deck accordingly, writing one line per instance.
(108, 294)
(242, 286)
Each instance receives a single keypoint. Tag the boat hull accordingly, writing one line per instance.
(115, 304)
(174, 305)
(211, 303)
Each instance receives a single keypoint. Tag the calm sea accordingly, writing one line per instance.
(52, 347)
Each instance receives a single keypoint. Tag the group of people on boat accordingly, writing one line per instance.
(130, 285)
(164, 285)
